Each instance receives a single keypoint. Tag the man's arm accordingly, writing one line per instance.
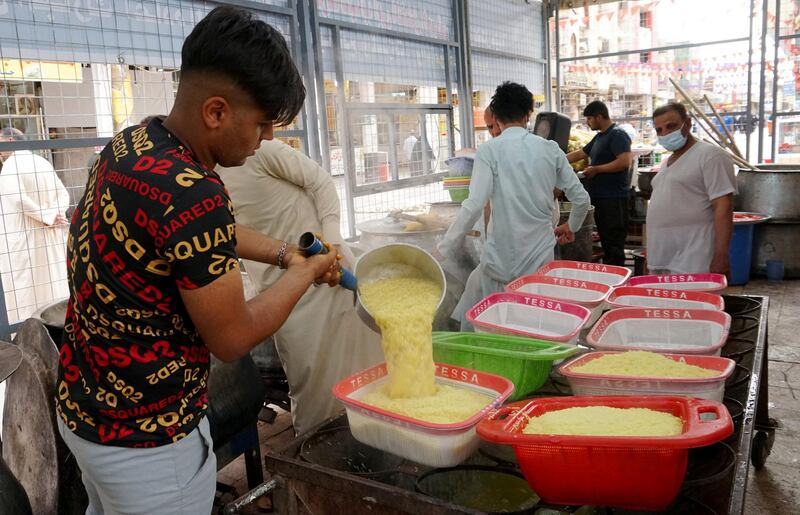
(567, 182)
(253, 245)
(231, 327)
(283, 162)
(723, 228)
(621, 163)
(576, 155)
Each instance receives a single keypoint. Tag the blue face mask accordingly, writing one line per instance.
(674, 140)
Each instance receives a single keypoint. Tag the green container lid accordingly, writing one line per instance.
(526, 362)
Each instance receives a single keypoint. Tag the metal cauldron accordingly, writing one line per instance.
(371, 265)
(772, 191)
(645, 181)
(53, 316)
(384, 231)
(581, 248)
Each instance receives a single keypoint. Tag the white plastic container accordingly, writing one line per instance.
(594, 272)
(588, 294)
(529, 315)
(696, 282)
(631, 296)
(435, 445)
(712, 388)
(672, 331)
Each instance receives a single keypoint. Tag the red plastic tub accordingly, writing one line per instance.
(697, 282)
(594, 272)
(639, 473)
(432, 444)
(529, 315)
(590, 295)
(634, 297)
(712, 388)
(671, 331)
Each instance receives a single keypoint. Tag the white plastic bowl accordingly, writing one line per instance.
(580, 270)
(712, 388)
(672, 331)
(435, 445)
(529, 315)
(588, 294)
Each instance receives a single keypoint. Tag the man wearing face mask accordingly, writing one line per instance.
(608, 184)
(690, 215)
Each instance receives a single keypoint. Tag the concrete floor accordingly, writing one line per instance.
(776, 488)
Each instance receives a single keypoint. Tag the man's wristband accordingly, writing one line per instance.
(282, 255)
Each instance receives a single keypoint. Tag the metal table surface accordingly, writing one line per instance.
(722, 491)
(758, 430)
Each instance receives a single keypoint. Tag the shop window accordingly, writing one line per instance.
(646, 19)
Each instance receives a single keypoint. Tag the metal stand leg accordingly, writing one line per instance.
(252, 464)
(764, 425)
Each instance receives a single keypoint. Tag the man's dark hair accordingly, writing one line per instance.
(251, 53)
(672, 106)
(147, 119)
(511, 102)
(596, 108)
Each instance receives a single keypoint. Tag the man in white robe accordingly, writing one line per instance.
(281, 192)
(33, 201)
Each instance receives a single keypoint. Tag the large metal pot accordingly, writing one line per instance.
(645, 181)
(581, 248)
(772, 191)
(384, 231)
(779, 241)
(473, 246)
(371, 266)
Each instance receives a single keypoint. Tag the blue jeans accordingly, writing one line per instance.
(178, 478)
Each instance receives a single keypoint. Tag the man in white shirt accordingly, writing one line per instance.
(281, 192)
(690, 215)
(518, 171)
(408, 146)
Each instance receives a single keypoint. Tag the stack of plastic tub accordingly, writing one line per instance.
(689, 282)
(435, 445)
(713, 387)
(631, 297)
(676, 331)
(588, 294)
(582, 271)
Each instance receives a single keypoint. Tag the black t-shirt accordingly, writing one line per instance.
(133, 370)
(605, 147)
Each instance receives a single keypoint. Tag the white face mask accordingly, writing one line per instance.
(673, 141)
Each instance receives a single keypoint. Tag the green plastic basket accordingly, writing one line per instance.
(524, 361)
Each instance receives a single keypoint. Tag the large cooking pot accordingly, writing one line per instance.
(772, 191)
(473, 246)
(372, 264)
(581, 248)
(779, 241)
(53, 317)
(384, 231)
(645, 181)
